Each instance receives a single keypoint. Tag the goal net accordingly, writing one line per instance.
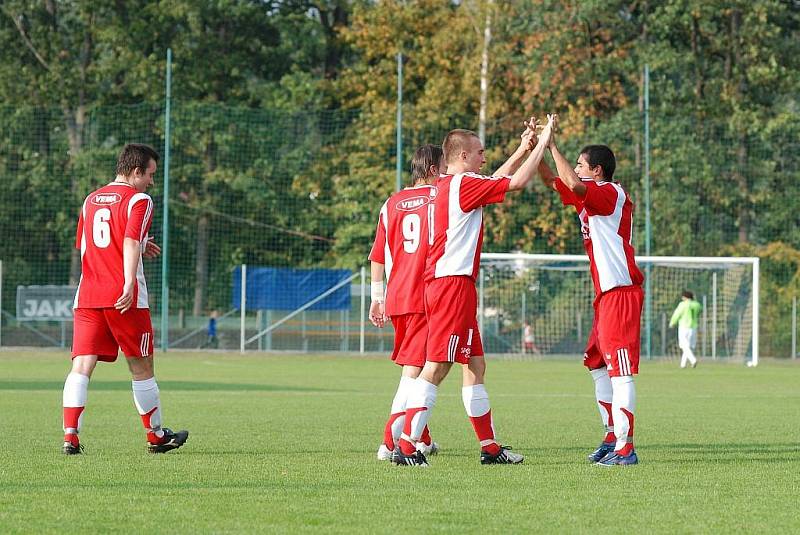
(535, 304)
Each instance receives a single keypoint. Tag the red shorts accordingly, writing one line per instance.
(451, 305)
(614, 341)
(104, 331)
(410, 333)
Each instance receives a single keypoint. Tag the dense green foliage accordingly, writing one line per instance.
(283, 122)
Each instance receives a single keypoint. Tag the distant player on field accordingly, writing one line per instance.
(686, 317)
(400, 248)
(111, 309)
(605, 212)
(450, 296)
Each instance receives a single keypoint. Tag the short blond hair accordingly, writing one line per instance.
(455, 142)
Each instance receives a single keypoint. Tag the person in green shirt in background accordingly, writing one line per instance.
(687, 316)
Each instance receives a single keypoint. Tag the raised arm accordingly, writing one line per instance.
(526, 143)
(546, 175)
(565, 171)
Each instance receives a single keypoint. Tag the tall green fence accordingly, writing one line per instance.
(303, 189)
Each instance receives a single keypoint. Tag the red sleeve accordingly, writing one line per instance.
(477, 190)
(79, 235)
(568, 197)
(601, 198)
(377, 253)
(139, 217)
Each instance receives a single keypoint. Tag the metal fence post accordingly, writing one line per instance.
(714, 315)
(480, 304)
(794, 324)
(1, 303)
(705, 326)
(362, 320)
(165, 222)
(242, 306)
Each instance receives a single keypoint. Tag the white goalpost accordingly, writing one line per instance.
(541, 304)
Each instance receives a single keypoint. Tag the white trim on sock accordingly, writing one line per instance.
(421, 394)
(146, 397)
(476, 400)
(76, 390)
(624, 398)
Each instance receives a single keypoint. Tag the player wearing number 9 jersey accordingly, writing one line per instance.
(400, 249)
(111, 309)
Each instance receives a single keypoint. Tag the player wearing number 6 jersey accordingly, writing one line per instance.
(400, 249)
(450, 296)
(111, 309)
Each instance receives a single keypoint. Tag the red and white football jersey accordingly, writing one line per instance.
(458, 223)
(401, 245)
(109, 215)
(606, 216)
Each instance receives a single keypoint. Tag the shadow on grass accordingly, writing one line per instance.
(164, 385)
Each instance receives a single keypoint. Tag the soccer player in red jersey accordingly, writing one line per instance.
(450, 297)
(605, 212)
(111, 309)
(400, 249)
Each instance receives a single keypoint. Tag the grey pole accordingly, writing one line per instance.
(794, 327)
(362, 322)
(524, 319)
(1, 302)
(705, 326)
(165, 223)
(480, 302)
(242, 307)
(648, 315)
(399, 142)
(714, 315)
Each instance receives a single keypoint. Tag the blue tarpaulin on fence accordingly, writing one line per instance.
(289, 289)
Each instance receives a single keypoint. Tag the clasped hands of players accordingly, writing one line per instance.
(530, 137)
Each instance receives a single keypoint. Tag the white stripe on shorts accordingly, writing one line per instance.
(452, 347)
(144, 344)
(624, 362)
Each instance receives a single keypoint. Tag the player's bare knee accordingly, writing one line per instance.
(435, 372)
(141, 367)
(84, 364)
(411, 371)
(475, 371)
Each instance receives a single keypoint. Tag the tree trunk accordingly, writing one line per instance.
(699, 82)
(203, 228)
(201, 266)
(75, 122)
(736, 76)
(741, 179)
(487, 40)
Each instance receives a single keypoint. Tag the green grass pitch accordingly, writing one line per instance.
(287, 444)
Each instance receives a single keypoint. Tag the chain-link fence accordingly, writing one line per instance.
(302, 190)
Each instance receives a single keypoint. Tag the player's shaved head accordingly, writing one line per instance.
(135, 155)
(456, 142)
